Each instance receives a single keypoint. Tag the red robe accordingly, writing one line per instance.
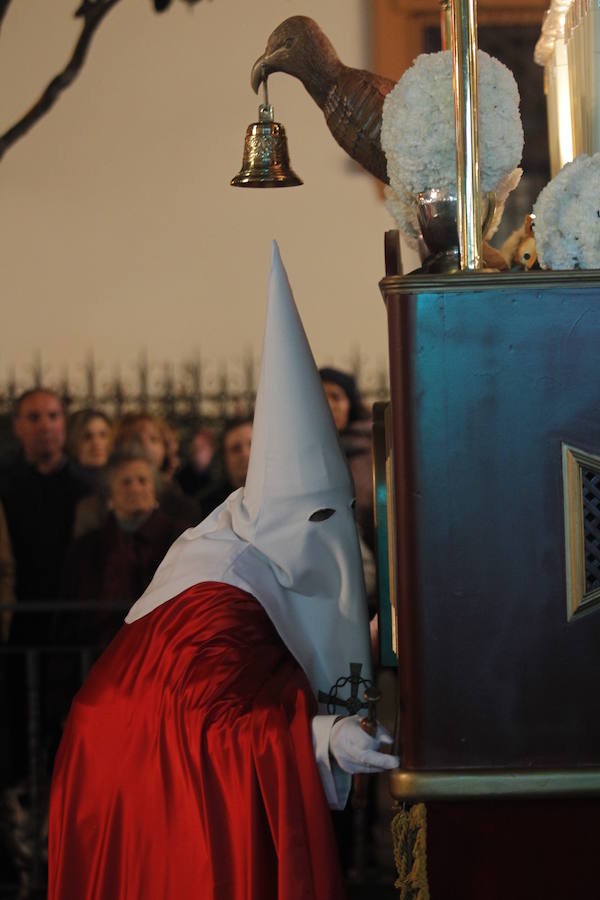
(186, 769)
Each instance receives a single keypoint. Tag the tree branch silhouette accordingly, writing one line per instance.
(4, 4)
(92, 12)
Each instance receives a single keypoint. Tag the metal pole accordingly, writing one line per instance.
(446, 24)
(464, 52)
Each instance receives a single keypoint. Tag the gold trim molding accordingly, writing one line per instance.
(479, 784)
(418, 283)
(574, 461)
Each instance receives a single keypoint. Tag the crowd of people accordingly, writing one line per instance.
(89, 507)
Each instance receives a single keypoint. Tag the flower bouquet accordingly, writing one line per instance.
(419, 140)
(567, 217)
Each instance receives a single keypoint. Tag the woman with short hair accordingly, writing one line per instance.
(115, 562)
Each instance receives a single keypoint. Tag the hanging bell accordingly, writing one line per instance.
(266, 162)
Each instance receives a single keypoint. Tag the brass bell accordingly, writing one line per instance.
(266, 162)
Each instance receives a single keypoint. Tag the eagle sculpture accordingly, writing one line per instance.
(351, 99)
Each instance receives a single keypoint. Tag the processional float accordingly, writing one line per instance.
(495, 486)
(487, 490)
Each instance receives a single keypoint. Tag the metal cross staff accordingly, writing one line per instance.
(353, 703)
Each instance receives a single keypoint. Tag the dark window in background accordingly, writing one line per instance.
(514, 45)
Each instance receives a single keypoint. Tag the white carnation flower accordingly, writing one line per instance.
(567, 217)
(418, 135)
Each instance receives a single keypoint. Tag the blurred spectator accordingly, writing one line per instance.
(236, 439)
(343, 397)
(115, 563)
(7, 578)
(150, 432)
(196, 473)
(354, 428)
(156, 436)
(39, 493)
(89, 442)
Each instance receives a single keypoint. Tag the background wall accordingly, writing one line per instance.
(118, 228)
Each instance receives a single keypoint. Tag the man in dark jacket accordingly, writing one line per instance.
(39, 492)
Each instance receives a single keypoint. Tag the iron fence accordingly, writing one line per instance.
(190, 391)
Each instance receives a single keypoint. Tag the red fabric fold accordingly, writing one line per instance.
(186, 768)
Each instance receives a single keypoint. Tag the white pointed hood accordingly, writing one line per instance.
(307, 574)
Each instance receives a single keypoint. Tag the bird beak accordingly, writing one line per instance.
(258, 73)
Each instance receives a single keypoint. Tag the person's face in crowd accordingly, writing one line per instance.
(339, 404)
(236, 449)
(94, 444)
(40, 427)
(153, 441)
(132, 490)
(201, 451)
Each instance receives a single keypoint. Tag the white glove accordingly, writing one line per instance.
(356, 751)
